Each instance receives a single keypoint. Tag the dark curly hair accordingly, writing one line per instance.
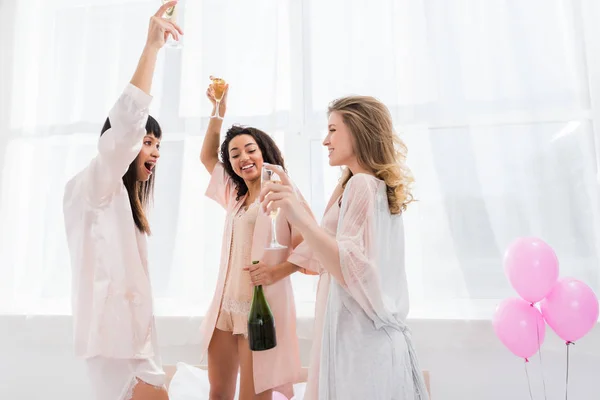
(270, 153)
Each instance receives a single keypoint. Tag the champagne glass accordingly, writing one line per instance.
(171, 15)
(268, 177)
(218, 85)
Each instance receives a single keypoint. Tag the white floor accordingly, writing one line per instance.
(191, 383)
(465, 360)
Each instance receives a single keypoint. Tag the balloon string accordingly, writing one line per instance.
(540, 353)
(567, 377)
(528, 381)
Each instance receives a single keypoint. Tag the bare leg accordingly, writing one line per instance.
(145, 391)
(247, 374)
(223, 364)
(115, 378)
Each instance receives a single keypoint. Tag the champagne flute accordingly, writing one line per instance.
(171, 15)
(267, 177)
(218, 85)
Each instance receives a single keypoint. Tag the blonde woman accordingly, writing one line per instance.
(362, 347)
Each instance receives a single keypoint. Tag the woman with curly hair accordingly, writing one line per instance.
(235, 184)
(362, 348)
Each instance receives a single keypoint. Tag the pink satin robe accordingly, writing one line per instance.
(278, 368)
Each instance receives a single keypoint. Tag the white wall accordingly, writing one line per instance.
(465, 360)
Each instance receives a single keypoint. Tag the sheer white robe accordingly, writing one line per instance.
(366, 348)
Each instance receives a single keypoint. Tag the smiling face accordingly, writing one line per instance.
(245, 157)
(339, 142)
(147, 158)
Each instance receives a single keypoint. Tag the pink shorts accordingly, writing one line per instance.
(115, 379)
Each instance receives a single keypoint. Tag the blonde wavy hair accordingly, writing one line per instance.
(377, 147)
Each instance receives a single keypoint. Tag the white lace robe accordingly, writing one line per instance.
(366, 347)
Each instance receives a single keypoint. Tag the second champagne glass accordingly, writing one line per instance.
(268, 177)
(171, 15)
(218, 85)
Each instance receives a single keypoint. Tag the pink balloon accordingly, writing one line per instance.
(531, 267)
(279, 396)
(519, 326)
(571, 309)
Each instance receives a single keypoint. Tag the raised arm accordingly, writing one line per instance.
(158, 30)
(121, 143)
(209, 155)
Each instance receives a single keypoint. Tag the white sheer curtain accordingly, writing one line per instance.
(497, 101)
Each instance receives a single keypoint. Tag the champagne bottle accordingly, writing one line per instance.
(261, 324)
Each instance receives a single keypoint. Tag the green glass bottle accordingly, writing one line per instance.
(261, 324)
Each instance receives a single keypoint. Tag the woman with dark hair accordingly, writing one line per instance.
(235, 184)
(139, 178)
(104, 210)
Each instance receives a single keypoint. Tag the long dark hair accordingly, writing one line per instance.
(140, 194)
(270, 153)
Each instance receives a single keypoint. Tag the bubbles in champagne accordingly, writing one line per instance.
(219, 88)
(170, 13)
